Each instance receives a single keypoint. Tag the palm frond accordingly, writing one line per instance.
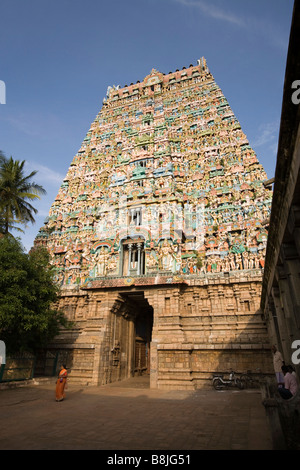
(16, 190)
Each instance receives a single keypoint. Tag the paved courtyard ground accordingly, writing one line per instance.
(130, 416)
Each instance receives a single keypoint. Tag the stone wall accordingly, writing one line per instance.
(211, 324)
(280, 301)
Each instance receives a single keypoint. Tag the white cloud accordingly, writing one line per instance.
(33, 124)
(267, 135)
(45, 175)
(22, 124)
(252, 25)
(213, 11)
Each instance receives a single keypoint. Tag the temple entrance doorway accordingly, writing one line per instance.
(143, 336)
(132, 334)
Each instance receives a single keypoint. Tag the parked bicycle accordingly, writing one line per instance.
(221, 383)
(252, 379)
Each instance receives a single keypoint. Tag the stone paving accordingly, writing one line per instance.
(130, 416)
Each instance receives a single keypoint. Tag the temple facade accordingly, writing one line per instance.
(158, 236)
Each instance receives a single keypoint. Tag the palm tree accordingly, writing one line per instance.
(16, 194)
(2, 157)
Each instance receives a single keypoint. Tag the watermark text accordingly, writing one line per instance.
(296, 94)
(2, 352)
(2, 92)
(296, 354)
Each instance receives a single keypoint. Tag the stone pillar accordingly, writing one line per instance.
(129, 258)
(151, 296)
(293, 270)
(297, 239)
(139, 247)
(196, 301)
(237, 294)
(294, 226)
(111, 304)
(153, 365)
(288, 306)
(280, 331)
(131, 338)
(213, 297)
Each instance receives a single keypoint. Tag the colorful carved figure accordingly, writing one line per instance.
(165, 256)
(101, 262)
(165, 162)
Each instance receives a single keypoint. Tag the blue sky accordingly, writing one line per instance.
(57, 59)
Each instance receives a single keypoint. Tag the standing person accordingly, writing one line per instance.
(278, 363)
(290, 384)
(292, 371)
(61, 383)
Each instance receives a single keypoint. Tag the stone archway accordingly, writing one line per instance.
(130, 336)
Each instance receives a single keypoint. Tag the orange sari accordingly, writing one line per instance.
(60, 385)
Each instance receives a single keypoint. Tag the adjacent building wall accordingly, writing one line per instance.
(280, 301)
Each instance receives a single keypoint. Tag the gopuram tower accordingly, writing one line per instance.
(158, 237)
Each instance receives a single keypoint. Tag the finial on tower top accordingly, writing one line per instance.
(202, 63)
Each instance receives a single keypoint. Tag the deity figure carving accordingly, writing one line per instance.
(152, 261)
(101, 262)
(112, 265)
(177, 257)
(166, 256)
(246, 259)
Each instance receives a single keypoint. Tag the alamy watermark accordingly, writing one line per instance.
(2, 353)
(296, 94)
(2, 92)
(159, 220)
(296, 354)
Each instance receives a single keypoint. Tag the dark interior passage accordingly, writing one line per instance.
(131, 337)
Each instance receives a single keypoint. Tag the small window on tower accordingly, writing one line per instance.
(135, 217)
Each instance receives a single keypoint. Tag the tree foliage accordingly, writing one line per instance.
(17, 191)
(28, 316)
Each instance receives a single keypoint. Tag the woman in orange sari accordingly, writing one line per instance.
(61, 383)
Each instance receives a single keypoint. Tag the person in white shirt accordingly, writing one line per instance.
(278, 363)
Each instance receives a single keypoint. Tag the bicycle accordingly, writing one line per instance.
(219, 383)
(251, 379)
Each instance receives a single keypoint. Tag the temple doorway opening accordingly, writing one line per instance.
(131, 337)
(143, 336)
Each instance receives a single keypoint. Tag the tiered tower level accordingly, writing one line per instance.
(164, 209)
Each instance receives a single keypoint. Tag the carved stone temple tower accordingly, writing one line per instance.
(158, 237)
